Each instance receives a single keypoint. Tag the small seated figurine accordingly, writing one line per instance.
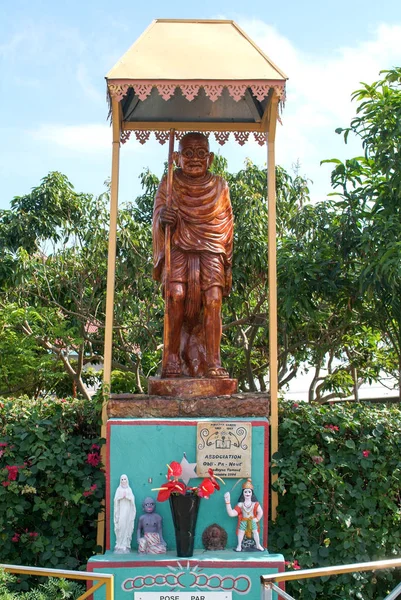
(214, 537)
(249, 513)
(124, 516)
(149, 535)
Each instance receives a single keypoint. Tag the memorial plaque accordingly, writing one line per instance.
(225, 447)
(196, 595)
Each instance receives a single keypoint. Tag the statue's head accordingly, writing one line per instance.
(148, 504)
(193, 156)
(124, 481)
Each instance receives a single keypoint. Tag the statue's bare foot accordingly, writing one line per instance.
(217, 372)
(173, 368)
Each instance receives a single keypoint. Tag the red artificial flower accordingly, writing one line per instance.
(12, 472)
(174, 469)
(206, 488)
(366, 453)
(93, 459)
(169, 488)
(213, 479)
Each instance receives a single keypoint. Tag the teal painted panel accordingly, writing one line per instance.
(238, 573)
(141, 448)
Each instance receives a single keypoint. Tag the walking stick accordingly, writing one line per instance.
(167, 256)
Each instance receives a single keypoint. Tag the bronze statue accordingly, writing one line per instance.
(201, 225)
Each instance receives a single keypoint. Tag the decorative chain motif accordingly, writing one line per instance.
(190, 579)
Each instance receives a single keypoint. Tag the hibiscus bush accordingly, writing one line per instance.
(339, 485)
(51, 481)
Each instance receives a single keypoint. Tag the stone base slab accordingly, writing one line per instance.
(252, 404)
(191, 387)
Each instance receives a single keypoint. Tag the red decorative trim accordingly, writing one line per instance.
(260, 91)
(213, 91)
(142, 90)
(131, 564)
(125, 136)
(260, 138)
(241, 137)
(190, 91)
(221, 137)
(237, 91)
(166, 90)
(118, 91)
(162, 136)
(142, 136)
(180, 134)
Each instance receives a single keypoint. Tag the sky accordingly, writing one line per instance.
(54, 56)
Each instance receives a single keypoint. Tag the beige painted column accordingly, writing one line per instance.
(272, 265)
(111, 261)
(111, 270)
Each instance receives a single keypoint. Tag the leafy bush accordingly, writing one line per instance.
(339, 470)
(53, 589)
(51, 481)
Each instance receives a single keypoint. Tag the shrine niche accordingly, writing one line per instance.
(223, 88)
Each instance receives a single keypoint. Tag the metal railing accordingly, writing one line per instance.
(99, 579)
(269, 581)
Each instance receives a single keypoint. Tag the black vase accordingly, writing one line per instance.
(184, 510)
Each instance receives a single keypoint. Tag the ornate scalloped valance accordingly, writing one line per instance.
(221, 137)
(213, 90)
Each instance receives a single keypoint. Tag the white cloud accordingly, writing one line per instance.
(319, 94)
(79, 138)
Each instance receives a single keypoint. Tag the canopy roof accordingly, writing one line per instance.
(195, 75)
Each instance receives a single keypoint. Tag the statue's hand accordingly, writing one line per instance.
(168, 216)
(228, 282)
(227, 498)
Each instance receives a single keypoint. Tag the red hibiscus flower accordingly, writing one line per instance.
(206, 488)
(177, 487)
(213, 479)
(174, 470)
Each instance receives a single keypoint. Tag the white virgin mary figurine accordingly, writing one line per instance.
(124, 516)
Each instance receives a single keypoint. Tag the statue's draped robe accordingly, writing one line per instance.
(204, 227)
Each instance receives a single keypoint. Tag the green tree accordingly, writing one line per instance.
(369, 190)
